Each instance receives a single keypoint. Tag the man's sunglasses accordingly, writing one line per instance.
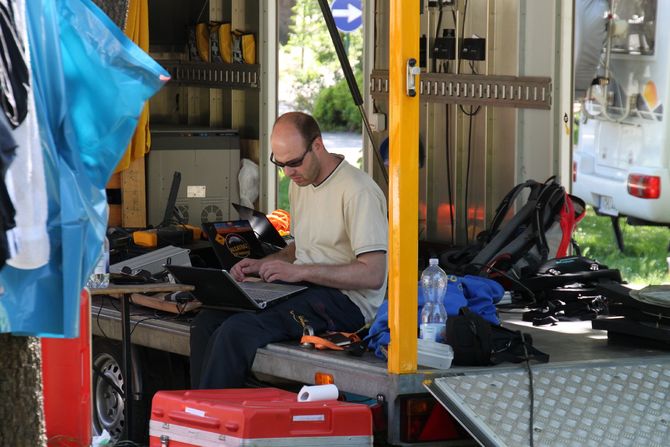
(297, 162)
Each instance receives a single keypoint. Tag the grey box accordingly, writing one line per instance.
(209, 162)
(154, 261)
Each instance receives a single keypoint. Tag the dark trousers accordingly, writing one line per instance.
(223, 344)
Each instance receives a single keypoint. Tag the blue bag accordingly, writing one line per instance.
(477, 293)
(90, 84)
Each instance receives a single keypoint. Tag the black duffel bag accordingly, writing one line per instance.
(476, 342)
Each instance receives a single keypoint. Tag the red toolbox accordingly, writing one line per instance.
(255, 417)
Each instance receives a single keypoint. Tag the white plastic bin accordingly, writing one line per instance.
(434, 355)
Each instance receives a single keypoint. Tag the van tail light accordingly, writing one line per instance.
(644, 186)
(423, 419)
(574, 171)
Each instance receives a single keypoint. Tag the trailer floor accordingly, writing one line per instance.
(576, 351)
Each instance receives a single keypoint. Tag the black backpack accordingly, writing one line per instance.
(541, 229)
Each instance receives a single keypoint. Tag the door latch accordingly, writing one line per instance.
(412, 72)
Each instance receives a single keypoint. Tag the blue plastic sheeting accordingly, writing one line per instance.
(90, 83)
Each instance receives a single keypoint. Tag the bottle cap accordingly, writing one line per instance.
(433, 261)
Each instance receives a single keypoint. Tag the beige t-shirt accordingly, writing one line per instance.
(343, 217)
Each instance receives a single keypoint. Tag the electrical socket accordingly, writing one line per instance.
(435, 3)
(473, 49)
(378, 122)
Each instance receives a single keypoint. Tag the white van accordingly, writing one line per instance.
(620, 164)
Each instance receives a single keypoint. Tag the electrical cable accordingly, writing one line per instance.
(460, 40)
(449, 180)
(97, 317)
(107, 380)
(437, 34)
(467, 179)
(531, 390)
(204, 5)
(470, 115)
(516, 281)
(126, 443)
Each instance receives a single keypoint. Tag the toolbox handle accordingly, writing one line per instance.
(201, 421)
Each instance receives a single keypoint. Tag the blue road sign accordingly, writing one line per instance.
(348, 14)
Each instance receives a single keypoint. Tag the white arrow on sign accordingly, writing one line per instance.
(351, 13)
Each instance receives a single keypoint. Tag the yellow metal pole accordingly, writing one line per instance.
(403, 187)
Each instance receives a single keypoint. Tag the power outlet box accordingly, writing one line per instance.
(445, 46)
(378, 122)
(436, 3)
(473, 49)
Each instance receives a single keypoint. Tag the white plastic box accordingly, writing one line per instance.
(434, 354)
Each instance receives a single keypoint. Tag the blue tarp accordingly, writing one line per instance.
(90, 83)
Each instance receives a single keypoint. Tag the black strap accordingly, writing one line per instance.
(520, 348)
(506, 202)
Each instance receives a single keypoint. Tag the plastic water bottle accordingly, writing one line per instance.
(100, 277)
(433, 315)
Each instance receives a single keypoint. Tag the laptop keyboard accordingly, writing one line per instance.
(261, 293)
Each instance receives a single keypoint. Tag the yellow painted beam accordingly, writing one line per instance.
(403, 188)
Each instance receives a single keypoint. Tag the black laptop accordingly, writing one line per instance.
(265, 231)
(232, 241)
(217, 289)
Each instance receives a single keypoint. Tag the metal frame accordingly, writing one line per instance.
(532, 92)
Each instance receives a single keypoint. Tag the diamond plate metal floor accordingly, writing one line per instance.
(576, 404)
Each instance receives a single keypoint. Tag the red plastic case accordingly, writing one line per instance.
(255, 417)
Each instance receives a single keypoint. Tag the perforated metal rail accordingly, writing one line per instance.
(490, 90)
(236, 76)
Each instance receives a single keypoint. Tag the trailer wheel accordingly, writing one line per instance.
(109, 385)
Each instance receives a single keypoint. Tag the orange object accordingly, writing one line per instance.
(255, 416)
(66, 377)
(197, 231)
(322, 378)
(146, 238)
(281, 220)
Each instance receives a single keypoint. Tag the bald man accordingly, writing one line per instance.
(340, 229)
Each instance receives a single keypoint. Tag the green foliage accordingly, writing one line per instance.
(310, 83)
(334, 107)
(643, 261)
(309, 33)
(308, 62)
(282, 193)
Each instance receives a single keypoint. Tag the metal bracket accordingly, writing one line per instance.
(487, 90)
(234, 76)
(412, 72)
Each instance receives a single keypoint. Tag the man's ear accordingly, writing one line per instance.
(318, 144)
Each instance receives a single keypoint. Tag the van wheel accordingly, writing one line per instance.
(109, 386)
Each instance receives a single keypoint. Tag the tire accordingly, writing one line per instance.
(108, 387)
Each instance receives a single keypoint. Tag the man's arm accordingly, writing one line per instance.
(368, 271)
(247, 266)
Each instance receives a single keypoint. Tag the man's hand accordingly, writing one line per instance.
(246, 267)
(276, 270)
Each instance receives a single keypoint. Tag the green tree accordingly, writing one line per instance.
(309, 34)
(335, 109)
(309, 61)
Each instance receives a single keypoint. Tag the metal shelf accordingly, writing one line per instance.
(235, 76)
(487, 90)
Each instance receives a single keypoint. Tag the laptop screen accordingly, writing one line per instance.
(262, 226)
(232, 241)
